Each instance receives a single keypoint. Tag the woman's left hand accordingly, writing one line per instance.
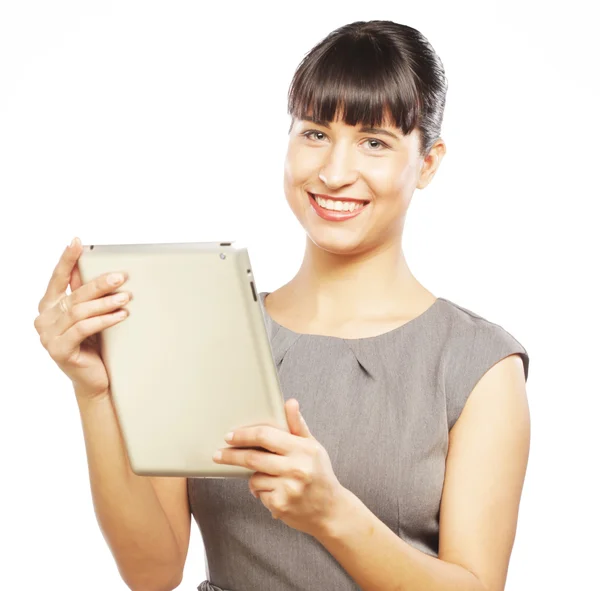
(296, 482)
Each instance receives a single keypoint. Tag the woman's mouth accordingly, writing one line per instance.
(336, 210)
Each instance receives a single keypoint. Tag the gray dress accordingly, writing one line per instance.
(382, 407)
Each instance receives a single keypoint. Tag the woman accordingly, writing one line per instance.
(405, 468)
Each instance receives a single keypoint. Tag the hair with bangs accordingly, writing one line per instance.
(372, 73)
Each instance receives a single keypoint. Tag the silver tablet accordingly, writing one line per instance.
(192, 361)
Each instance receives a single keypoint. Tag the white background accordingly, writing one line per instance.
(132, 122)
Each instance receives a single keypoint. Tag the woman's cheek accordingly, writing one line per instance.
(303, 165)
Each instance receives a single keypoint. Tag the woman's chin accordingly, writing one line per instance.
(337, 241)
(344, 238)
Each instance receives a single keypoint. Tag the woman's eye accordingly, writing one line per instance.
(309, 133)
(377, 142)
(370, 141)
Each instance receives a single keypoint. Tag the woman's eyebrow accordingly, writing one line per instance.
(378, 130)
(363, 129)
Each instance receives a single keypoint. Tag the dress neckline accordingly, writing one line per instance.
(414, 321)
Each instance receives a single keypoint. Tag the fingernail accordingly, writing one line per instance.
(115, 278)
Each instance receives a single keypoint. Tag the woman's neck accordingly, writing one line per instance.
(337, 288)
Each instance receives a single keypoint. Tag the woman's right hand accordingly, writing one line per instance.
(68, 325)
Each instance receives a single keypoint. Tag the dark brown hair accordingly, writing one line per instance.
(370, 70)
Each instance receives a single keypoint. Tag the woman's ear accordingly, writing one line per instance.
(431, 163)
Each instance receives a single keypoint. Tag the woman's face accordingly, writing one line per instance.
(341, 161)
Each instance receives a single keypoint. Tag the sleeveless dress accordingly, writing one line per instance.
(382, 407)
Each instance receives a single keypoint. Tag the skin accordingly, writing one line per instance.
(354, 280)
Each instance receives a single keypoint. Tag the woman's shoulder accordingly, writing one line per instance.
(473, 343)
(465, 324)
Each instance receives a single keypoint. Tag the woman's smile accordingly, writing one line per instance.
(336, 210)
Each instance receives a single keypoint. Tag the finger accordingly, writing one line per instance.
(60, 277)
(260, 482)
(76, 281)
(296, 421)
(98, 287)
(67, 343)
(305, 430)
(259, 461)
(94, 289)
(103, 305)
(271, 438)
(292, 417)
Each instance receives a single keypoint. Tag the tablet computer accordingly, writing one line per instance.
(192, 360)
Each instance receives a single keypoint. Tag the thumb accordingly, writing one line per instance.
(296, 421)
(75, 280)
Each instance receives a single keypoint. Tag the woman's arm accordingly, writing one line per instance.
(485, 471)
(144, 520)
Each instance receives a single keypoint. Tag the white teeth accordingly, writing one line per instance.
(338, 205)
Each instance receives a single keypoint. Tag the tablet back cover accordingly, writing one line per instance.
(193, 360)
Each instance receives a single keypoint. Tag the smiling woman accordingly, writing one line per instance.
(404, 474)
(366, 110)
(408, 425)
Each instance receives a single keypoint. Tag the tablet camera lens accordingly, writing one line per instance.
(222, 255)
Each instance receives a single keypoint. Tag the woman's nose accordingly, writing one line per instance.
(339, 168)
